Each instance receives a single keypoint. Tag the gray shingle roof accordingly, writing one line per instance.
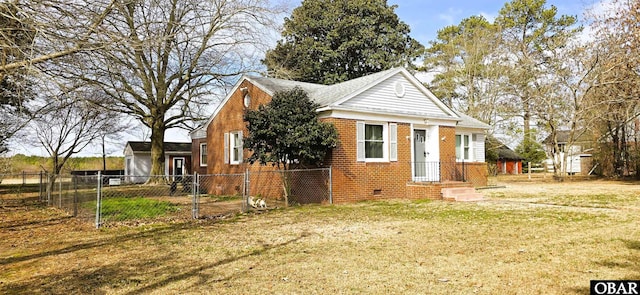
(323, 95)
(503, 151)
(145, 146)
(470, 122)
(563, 136)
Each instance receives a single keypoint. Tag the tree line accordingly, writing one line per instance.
(76, 73)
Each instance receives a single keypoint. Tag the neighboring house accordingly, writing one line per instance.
(396, 139)
(509, 162)
(578, 154)
(137, 159)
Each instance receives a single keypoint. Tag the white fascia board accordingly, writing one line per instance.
(177, 153)
(384, 117)
(470, 130)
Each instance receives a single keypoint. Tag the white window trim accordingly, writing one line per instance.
(201, 148)
(232, 147)
(385, 143)
(471, 150)
(184, 166)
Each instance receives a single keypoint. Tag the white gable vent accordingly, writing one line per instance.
(399, 88)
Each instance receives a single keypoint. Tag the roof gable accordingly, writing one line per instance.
(396, 91)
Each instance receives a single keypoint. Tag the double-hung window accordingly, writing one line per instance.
(203, 154)
(463, 147)
(233, 147)
(376, 142)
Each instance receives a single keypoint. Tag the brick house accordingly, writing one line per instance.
(397, 140)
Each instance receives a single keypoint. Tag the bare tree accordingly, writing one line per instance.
(69, 124)
(565, 98)
(617, 32)
(33, 32)
(163, 59)
(54, 29)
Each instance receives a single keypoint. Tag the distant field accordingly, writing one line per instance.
(526, 238)
(20, 163)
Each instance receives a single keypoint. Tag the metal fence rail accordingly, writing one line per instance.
(218, 194)
(128, 199)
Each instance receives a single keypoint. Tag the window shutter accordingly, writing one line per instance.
(360, 154)
(479, 147)
(226, 148)
(393, 142)
(240, 147)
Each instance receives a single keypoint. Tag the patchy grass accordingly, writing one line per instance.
(511, 244)
(595, 194)
(122, 209)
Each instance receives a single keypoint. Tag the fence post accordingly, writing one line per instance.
(246, 190)
(529, 169)
(99, 200)
(75, 195)
(50, 187)
(40, 196)
(195, 185)
(330, 186)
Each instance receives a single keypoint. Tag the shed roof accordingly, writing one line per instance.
(503, 151)
(145, 146)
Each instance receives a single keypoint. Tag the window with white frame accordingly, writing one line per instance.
(203, 154)
(233, 147)
(463, 147)
(376, 142)
(236, 147)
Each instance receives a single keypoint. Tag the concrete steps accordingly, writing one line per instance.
(461, 194)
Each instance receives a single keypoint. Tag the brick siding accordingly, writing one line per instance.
(352, 180)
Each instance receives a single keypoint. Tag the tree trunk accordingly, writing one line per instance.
(157, 151)
(526, 116)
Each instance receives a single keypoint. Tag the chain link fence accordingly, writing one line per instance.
(124, 199)
(23, 188)
(305, 186)
(218, 194)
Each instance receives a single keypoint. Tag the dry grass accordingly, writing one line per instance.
(526, 239)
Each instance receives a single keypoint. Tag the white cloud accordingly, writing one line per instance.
(488, 16)
(451, 16)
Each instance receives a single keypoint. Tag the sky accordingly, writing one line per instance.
(424, 17)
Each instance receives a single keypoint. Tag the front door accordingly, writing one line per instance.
(426, 166)
(178, 167)
(420, 155)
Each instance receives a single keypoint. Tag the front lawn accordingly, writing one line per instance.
(517, 242)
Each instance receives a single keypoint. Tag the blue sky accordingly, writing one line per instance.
(426, 17)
